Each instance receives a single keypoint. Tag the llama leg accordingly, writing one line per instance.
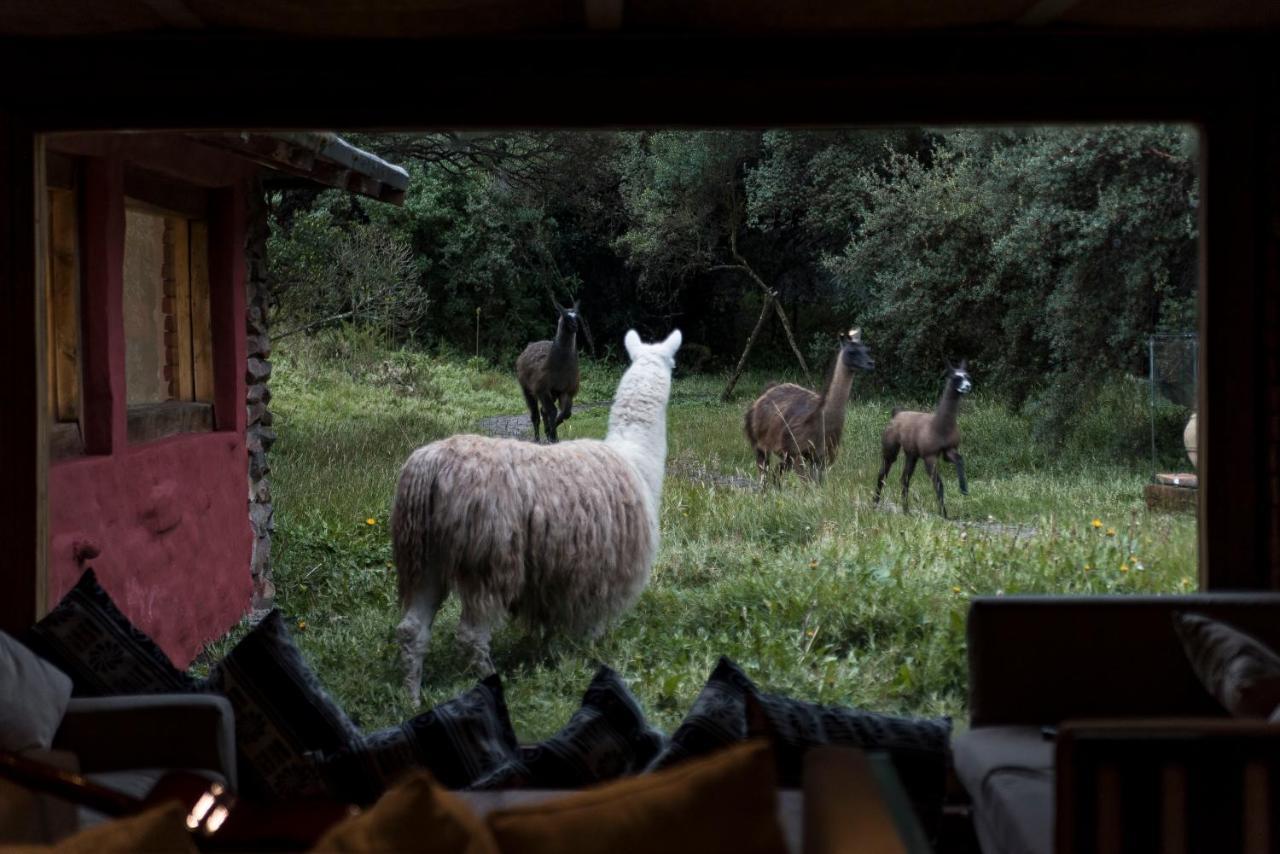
(414, 631)
(762, 466)
(475, 628)
(784, 465)
(532, 403)
(549, 417)
(908, 468)
(566, 409)
(889, 455)
(954, 456)
(935, 475)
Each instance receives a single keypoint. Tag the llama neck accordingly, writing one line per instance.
(836, 396)
(638, 422)
(944, 417)
(565, 337)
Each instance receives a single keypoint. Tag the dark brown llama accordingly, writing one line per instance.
(927, 435)
(548, 374)
(796, 423)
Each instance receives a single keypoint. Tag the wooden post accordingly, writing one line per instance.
(1237, 515)
(24, 410)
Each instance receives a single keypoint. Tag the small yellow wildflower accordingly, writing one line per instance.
(302, 625)
(1133, 558)
(371, 521)
(1087, 567)
(1097, 523)
(1124, 567)
(955, 589)
(1111, 532)
(811, 632)
(813, 564)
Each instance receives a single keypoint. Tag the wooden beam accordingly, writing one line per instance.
(201, 324)
(63, 276)
(1237, 513)
(163, 194)
(180, 229)
(24, 419)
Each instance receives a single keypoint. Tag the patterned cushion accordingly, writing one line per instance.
(718, 717)
(918, 747)
(1236, 668)
(281, 712)
(607, 737)
(91, 641)
(459, 741)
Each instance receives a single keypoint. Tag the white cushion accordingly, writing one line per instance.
(33, 697)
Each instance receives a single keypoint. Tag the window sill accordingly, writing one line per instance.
(151, 421)
(65, 441)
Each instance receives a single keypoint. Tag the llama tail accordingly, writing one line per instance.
(411, 523)
(746, 426)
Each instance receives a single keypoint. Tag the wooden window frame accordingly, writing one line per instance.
(63, 300)
(189, 343)
(1224, 82)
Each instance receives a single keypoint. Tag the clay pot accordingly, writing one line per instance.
(1189, 439)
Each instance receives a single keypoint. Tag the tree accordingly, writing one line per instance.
(687, 205)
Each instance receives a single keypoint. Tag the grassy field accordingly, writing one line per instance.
(811, 589)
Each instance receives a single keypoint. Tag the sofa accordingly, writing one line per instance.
(121, 745)
(1090, 685)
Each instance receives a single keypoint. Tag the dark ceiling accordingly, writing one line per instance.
(434, 18)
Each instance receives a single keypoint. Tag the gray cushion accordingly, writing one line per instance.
(33, 698)
(1240, 671)
(1008, 772)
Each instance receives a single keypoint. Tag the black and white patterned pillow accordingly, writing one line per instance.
(281, 711)
(94, 643)
(717, 718)
(607, 737)
(1240, 671)
(459, 742)
(919, 748)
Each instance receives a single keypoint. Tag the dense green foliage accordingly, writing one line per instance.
(814, 591)
(1045, 256)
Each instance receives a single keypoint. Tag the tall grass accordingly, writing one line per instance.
(812, 589)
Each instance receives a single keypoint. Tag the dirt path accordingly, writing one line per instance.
(520, 427)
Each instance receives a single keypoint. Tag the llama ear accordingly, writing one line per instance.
(855, 335)
(672, 344)
(632, 342)
(964, 365)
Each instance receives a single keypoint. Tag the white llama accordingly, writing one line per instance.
(559, 536)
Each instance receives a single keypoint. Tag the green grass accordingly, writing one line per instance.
(811, 589)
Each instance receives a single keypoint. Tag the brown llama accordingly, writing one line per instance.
(548, 374)
(927, 435)
(796, 423)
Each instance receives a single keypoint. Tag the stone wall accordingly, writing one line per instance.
(258, 435)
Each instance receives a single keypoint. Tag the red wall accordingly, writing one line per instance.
(167, 519)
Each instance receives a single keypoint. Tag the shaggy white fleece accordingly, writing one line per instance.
(560, 536)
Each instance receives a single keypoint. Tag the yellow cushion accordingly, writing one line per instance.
(162, 829)
(723, 802)
(417, 815)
